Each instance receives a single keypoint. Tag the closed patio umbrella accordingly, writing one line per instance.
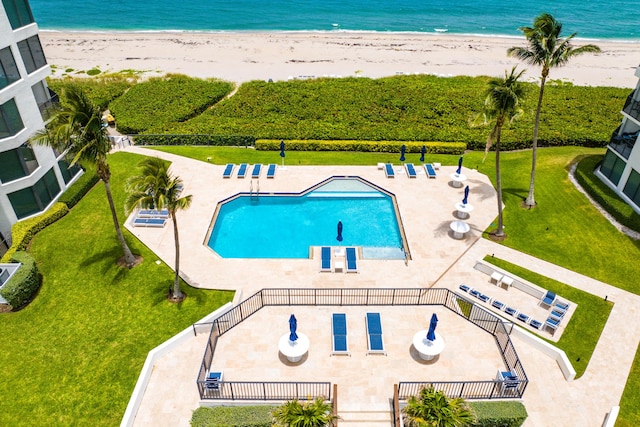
(339, 238)
(431, 334)
(282, 151)
(466, 195)
(293, 325)
(423, 151)
(459, 170)
(403, 150)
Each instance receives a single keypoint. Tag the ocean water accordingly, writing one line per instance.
(591, 19)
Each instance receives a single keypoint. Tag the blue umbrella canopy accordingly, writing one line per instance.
(466, 195)
(403, 150)
(431, 334)
(459, 170)
(423, 151)
(339, 238)
(293, 325)
(282, 148)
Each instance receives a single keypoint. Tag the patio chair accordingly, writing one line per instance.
(388, 170)
(431, 172)
(153, 213)
(535, 324)
(271, 170)
(464, 287)
(214, 381)
(339, 331)
(484, 298)
(475, 293)
(411, 170)
(522, 317)
(561, 306)
(558, 314)
(497, 304)
(552, 323)
(548, 299)
(228, 170)
(374, 334)
(508, 382)
(242, 170)
(257, 168)
(149, 222)
(352, 263)
(325, 264)
(510, 311)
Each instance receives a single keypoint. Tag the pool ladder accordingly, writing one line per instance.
(252, 195)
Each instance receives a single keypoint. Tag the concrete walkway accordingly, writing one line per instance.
(427, 208)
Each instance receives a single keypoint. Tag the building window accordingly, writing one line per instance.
(68, 172)
(17, 163)
(43, 97)
(10, 121)
(18, 12)
(632, 187)
(8, 70)
(612, 167)
(32, 54)
(32, 200)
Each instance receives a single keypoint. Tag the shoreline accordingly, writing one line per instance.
(243, 56)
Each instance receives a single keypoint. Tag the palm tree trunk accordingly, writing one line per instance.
(177, 294)
(129, 259)
(500, 230)
(531, 200)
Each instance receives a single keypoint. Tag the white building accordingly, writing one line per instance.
(31, 179)
(620, 168)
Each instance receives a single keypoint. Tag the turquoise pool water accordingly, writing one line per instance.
(285, 226)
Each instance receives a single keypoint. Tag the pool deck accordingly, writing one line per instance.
(437, 260)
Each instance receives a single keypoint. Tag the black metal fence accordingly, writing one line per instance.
(466, 389)
(266, 390)
(459, 304)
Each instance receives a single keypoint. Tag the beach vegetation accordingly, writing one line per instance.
(76, 127)
(547, 49)
(101, 89)
(315, 413)
(156, 188)
(433, 408)
(501, 107)
(93, 72)
(167, 100)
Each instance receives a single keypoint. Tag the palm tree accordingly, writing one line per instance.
(434, 409)
(503, 96)
(546, 49)
(76, 126)
(318, 413)
(157, 188)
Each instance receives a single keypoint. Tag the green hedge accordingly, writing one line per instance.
(101, 89)
(499, 414)
(24, 283)
(215, 140)
(232, 416)
(363, 146)
(22, 232)
(78, 189)
(163, 101)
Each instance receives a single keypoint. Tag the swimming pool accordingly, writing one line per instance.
(287, 225)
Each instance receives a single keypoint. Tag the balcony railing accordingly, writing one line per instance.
(624, 143)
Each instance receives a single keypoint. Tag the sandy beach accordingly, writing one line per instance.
(240, 57)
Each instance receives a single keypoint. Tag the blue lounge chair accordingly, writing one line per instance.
(228, 170)
(374, 334)
(326, 259)
(497, 304)
(508, 381)
(339, 330)
(431, 172)
(523, 317)
(548, 299)
(464, 287)
(271, 170)
(411, 170)
(557, 314)
(484, 298)
(242, 170)
(153, 213)
(352, 263)
(552, 323)
(510, 311)
(388, 170)
(213, 381)
(561, 306)
(535, 324)
(257, 168)
(475, 293)
(149, 222)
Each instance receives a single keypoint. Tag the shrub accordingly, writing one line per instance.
(215, 140)
(22, 232)
(100, 89)
(232, 416)
(499, 414)
(24, 283)
(78, 189)
(363, 146)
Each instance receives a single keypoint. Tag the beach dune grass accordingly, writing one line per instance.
(73, 356)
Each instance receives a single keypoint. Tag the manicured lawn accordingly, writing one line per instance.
(72, 356)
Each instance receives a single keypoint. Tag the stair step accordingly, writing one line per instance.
(372, 418)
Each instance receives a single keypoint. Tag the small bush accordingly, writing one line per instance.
(232, 416)
(499, 414)
(214, 140)
(78, 189)
(22, 232)
(24, 283)
(363, 146)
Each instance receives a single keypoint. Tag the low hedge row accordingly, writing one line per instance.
(363, 146)
(24, 283)
(77, 191)
(22, 232)
(201, 139)
(233, 416)
(499, 414)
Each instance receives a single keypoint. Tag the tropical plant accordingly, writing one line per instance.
(317, 413)
(76, 127)
(157, 188)
(433, 408)
(547, 49)
(501, 105)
